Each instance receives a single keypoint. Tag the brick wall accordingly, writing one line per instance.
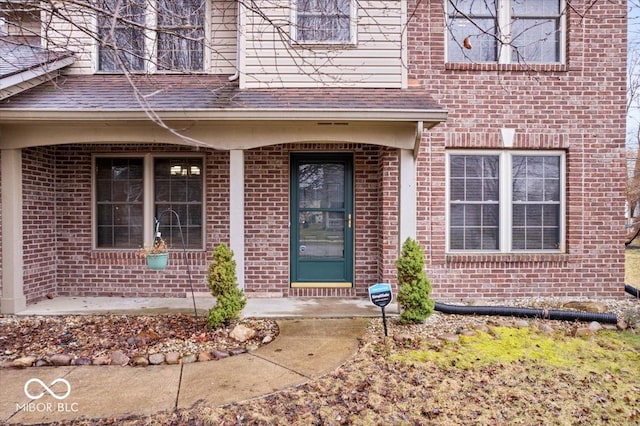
(577, 107)
(267, 219)
(85, 272)
(39, 212)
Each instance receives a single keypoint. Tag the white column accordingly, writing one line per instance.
(236, 211)
(13, 299)
(407, 214)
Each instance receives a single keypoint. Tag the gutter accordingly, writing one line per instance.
(331, 116)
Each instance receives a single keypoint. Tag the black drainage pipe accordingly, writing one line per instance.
(527, 313)
(632, 290)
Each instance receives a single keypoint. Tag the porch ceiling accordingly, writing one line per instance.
(210, 111)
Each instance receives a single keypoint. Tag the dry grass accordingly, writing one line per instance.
(632, 267)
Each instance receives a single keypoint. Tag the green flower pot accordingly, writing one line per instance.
(157, 262)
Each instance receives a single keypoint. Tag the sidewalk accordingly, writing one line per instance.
(305, 349)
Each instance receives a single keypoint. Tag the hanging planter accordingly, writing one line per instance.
(157, 255)
(157, 262)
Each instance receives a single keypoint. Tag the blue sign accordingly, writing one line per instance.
(380, 294)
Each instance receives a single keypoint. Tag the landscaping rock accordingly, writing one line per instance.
(23, 362)
(546, 328)
(205, 356)
(521, 324)
(237, 351)
(172, 358)
(451, 338)
(188, 359)
(60, 359)
(220, 354)
(119, 358)
(82, 361)
(42, 363)
(267, 339)
(595, 326)
(583, 331)
(242, 333)
(156, 359)
(101, 360)
(140, 361)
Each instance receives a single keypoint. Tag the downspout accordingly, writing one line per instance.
(527, 313)
(632, 290)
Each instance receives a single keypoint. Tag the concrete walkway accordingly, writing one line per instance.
(305, 349)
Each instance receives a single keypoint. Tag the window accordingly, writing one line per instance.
(166, 35)
(505, 201)
(505, 31)
(124, 209)
(324, 21)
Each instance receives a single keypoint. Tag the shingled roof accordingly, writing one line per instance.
(23, 66)
(189, 93)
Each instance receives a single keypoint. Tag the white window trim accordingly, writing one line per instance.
(504, 24)
(353, 28)
(505, 205)
(148, 203)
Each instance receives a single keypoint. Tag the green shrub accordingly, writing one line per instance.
(223, 285)
(414, 286)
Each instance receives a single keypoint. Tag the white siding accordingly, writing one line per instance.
(223, 36)
(374, 61)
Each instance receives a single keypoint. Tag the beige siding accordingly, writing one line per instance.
(374, 61)
(221, 46)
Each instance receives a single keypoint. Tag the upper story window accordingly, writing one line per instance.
(324, 21)
(505, 201)
(505, 31)
(131, 191)
(160, 35)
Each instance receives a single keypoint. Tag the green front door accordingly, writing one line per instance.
(321, 220)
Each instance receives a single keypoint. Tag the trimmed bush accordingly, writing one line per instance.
(414, 287)
(223, 285)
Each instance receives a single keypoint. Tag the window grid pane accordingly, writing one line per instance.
(121, 35)
(474, 202)
(119, 205)
(323, 20)
(475, 31)
(180, 35)
(535, 203)
(178, 186)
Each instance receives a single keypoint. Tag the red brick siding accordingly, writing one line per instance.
(86, 272)
(267, 219)
(578, 108)
(39, 227)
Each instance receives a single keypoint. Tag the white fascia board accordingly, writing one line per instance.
(331, 115)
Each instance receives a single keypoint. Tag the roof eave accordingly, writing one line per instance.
(26, 79)
(332, 115)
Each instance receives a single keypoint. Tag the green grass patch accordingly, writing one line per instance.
(607, 351)
(632, 267)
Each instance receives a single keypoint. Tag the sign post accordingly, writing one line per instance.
(380, 295)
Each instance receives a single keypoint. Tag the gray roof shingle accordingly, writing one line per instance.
(16, 58)
(204, 92)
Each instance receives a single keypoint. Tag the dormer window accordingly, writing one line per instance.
(324, 21)
(161, 35)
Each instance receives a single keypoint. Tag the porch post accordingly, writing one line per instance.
(236, 211)
(13, 299)
(407, 213)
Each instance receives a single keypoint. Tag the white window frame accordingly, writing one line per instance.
(353, 28)
(151, 43)
(505, 50)
(148, 196)
(506, 202)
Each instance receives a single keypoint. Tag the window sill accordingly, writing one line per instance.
(463, 66)
(506, 258)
